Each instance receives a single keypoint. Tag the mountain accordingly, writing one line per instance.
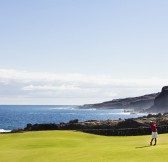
(160, 102)
(137, 103)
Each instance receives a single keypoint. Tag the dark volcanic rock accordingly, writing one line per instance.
(127, 127)
(161, 101)
(129, 123)
(40, 127)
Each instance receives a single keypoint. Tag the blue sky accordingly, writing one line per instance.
(94, 50)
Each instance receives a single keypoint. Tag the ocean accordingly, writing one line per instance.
(18, 116)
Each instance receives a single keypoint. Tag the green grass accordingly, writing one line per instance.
(69, 146)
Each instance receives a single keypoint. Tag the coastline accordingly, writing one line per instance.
(14, 117)
(133, 122)
(126, 127)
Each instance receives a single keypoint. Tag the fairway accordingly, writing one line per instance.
(69, 146)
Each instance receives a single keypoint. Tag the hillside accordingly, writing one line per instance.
(137, 103)
(160, 102)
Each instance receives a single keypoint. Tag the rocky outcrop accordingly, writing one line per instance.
(127, 127)
(136, 103)
(161, 102)
(127, 131)
(156, 103)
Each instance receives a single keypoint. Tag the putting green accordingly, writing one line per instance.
(69, 146)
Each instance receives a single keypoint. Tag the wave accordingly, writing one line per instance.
(3, 130)
(90, 109)
(67, 113)
(122, 113)
(62, 108)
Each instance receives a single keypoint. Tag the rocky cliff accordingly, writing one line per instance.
(137, 103)
(161, 102)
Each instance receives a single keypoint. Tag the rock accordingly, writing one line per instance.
(161, 102)
(39, 127)
(137, 103)
(127, 127)
(74, 121)
(17, 131)
(129, 123)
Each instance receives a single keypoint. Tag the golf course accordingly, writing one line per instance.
(72, 146)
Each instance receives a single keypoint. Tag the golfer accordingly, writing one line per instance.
(153, 126)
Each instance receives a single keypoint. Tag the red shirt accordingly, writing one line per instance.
(154, 127)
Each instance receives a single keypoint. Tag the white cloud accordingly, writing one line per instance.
(49, 88)
(22, 84)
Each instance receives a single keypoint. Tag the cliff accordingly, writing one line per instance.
(160, 102)
(137, 103)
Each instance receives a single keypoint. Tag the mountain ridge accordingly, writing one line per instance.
(139, 103)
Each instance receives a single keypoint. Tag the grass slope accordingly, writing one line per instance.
(69, 146)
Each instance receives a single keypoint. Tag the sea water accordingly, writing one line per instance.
(18, 116)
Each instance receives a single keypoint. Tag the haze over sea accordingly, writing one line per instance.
(18, 116)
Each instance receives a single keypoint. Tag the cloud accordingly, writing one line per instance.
(23, 84)
(49, 88)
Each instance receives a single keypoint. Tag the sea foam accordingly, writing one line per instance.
(3, 130)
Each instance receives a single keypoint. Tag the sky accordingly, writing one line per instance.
(81, 51)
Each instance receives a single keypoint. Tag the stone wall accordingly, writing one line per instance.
(126, 132)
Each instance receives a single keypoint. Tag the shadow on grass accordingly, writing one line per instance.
(142, 147)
